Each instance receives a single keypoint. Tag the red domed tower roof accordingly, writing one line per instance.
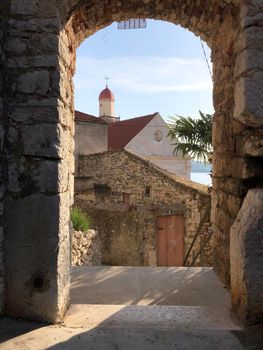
(106, 94)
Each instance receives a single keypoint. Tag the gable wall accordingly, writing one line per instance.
(144, 144)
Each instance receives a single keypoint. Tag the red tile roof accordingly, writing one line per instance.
(83, 117)
(121, 133)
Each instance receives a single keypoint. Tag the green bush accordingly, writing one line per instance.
(80, 220)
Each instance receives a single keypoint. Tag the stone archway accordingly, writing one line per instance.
(39, 41)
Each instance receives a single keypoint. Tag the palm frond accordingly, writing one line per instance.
(193, 137)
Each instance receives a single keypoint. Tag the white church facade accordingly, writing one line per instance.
(145, 136)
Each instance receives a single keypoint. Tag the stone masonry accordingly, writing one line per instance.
(128, 231)
(246, 240)
(86, 248)
(3, 173)
(38, 41)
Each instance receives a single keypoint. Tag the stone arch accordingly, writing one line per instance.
(39, 41)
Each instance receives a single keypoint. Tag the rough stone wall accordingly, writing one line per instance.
(128, 232)
(246, 233)
(228, 190)
(246, 259)
(3, 19)
(86, 248)
(237, 129)
(199, 17)
(40, 163)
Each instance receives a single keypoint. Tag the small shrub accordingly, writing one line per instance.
(80, 220)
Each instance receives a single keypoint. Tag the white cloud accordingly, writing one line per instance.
(143, 75)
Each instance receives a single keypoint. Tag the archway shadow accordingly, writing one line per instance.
(147, 286)
(11, 328)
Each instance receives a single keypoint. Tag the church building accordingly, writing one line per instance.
(144, 136)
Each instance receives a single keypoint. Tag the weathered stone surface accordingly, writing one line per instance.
(24, 7)
(37, 281)
(246, 258)
(34, 83)
(1, 270)
(45, 140)
(248, 97)
(250, 145)
(33, 176)
(86, 248)
(3, 19)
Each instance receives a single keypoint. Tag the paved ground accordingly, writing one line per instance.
(144, 308)
(147, 286)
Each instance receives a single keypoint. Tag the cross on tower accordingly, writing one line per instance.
(107, 79)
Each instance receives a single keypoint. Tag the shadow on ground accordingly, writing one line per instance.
(145, 317)
(12, 328)
(111, 336)
(147, 286)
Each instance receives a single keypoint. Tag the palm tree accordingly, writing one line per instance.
(193, 137)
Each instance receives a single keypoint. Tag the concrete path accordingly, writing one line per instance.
(122, 285)
(154, 313)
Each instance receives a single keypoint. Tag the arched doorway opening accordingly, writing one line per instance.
(163, 75)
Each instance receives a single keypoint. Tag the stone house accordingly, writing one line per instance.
(145, 215)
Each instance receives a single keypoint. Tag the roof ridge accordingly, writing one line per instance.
(121, 133)
(177, 178)
(84, 117)
(142, 116)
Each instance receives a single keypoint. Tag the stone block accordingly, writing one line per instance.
(24, 7)
(249, 100)
(221, 166)
(37, 256)
(253, 19)
(15, 46)
(37, 176)
(17, 27)
(246, 252)
(46, 140)
(48, 8)
(37, 82)
(43, 61)
(36, 112)
(250, 145)
(248, 60)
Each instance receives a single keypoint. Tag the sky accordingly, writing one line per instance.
(158, 69)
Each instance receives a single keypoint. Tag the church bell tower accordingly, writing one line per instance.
(106, 104)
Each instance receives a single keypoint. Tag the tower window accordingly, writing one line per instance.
(147, 191)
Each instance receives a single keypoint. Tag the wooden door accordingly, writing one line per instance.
(170, 240)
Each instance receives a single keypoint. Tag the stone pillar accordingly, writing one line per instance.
(227, 194)
(246, 249)
(2, 163)
(40, 164)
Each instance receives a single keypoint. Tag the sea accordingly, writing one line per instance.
(201, 173)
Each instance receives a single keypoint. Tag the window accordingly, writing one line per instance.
(147, 191)
(102, 188)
